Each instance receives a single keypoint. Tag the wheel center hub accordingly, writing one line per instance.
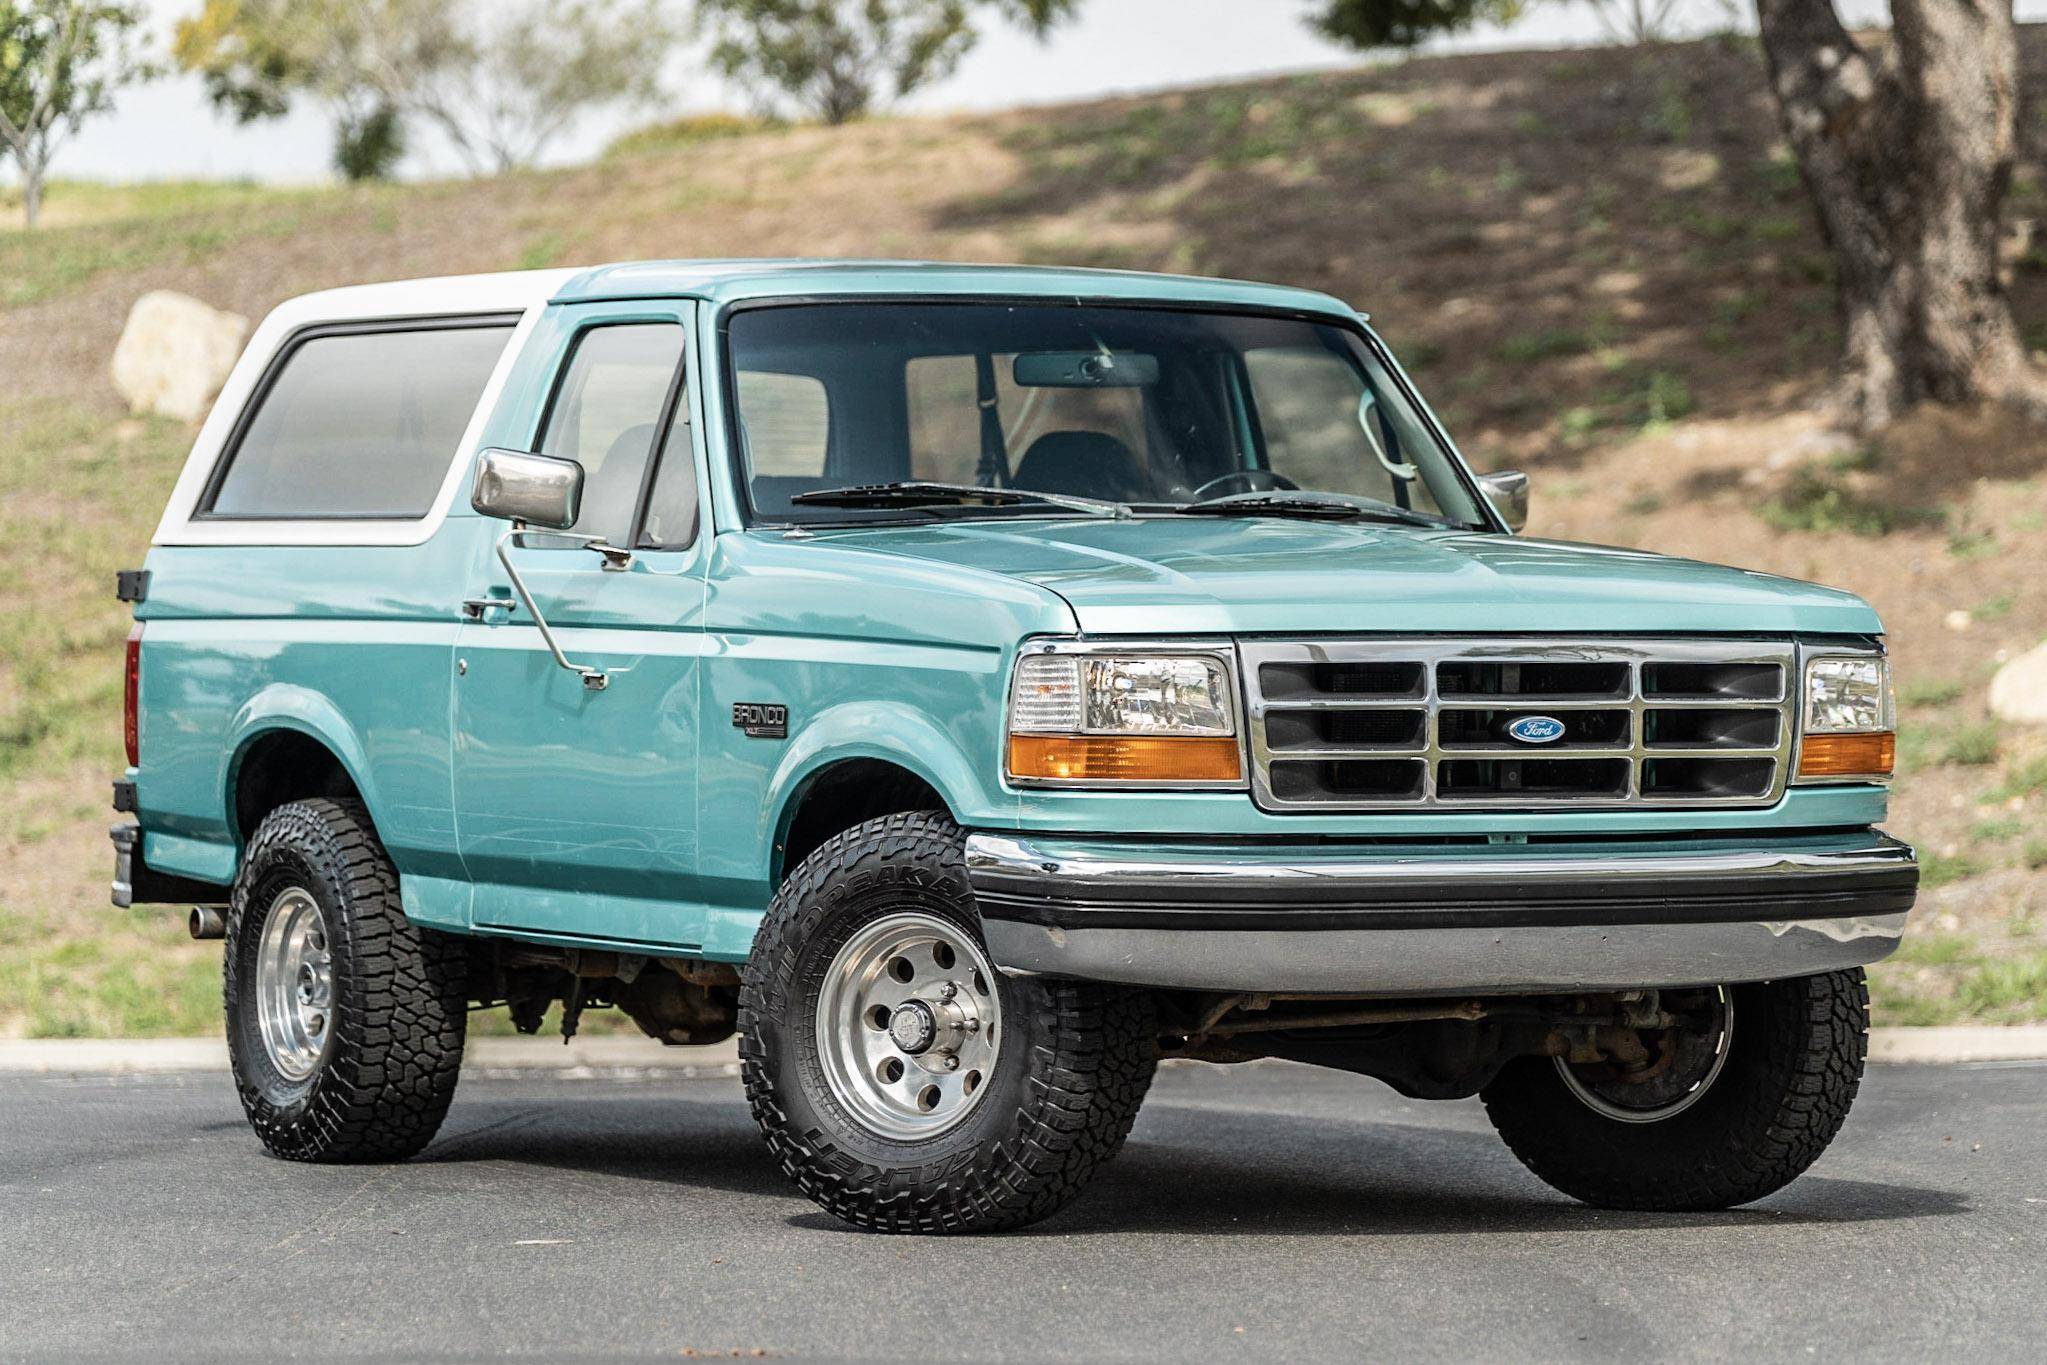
(913, 1027)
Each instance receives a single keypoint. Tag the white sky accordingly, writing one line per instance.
(167, 130)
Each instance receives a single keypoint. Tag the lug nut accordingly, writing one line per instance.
(952, 1063)
(948, 991)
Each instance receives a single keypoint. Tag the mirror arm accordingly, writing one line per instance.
(594, 679)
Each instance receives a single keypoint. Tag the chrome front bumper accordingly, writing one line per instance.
(1427, 920)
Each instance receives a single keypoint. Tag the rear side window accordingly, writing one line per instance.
(359, 422)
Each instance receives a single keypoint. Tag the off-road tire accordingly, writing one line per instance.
(400, 996)
(1794, 1062)
(1076, 1059)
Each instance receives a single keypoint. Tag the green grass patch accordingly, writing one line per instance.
(688, 131)
(2034, 854)
(1941, 869)
(2028, 779)
(2006, 991)
(1997, 828)
(1973, 745)
(1932, 691)
(1813, 502)
(1936, 950)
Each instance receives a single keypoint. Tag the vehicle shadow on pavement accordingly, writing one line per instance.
(1189, 1169)
(1219, 1173)
(665, 1139)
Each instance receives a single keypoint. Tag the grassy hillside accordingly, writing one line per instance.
(1599, 263)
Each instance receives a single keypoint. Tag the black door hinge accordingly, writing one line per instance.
(124, 796)
(131, 585)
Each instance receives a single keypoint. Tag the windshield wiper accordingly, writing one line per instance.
(1328, 509)
(917, 493)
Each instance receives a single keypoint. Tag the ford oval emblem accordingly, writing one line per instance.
(1537, 729)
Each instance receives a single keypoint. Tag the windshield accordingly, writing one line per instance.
(1160, 409)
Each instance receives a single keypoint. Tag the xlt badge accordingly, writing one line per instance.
(761, 719)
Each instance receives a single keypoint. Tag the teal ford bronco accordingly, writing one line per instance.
(971, 686)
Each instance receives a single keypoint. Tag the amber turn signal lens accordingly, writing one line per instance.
(1124, 758)
(1848, 755)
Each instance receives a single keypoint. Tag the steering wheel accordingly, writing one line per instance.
(1250, 481)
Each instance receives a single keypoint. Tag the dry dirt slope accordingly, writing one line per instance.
(1598, 262)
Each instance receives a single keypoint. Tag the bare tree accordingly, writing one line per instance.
(501, 78)
(60, 63)
(1637, 22)
(526, 70)
(1907, 150)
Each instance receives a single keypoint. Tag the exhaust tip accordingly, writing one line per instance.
(207, 922)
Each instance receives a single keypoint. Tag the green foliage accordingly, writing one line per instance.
(60, 63)
(369, 146)
(2034, 854)
(836, 59)
(499, 79)
(1367, 24)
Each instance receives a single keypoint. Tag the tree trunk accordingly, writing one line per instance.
(1907, 154)
(33, 169)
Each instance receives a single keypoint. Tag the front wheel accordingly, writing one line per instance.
(903, 1082)
(1722, 1112)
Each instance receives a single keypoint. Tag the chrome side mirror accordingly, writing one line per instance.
(532, 490)
(1507, 491)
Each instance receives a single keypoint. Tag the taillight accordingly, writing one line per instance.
(131, 696)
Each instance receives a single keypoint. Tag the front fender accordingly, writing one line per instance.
(872, 729)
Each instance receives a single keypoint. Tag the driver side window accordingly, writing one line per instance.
(607, 413)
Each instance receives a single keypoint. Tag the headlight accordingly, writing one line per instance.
(1850, 730)
(1079, 716)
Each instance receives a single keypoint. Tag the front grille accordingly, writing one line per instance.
(1372, 724)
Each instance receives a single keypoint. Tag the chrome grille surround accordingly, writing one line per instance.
(1730, 739)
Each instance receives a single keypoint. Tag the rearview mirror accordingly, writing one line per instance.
(534, 490)
(1084, 370)
(1507, 491)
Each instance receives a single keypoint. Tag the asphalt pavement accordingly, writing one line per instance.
(1259, 1212)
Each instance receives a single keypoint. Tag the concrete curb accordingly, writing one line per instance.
(118, 1056)
(595, 1056)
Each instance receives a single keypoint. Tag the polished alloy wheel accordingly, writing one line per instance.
(1682, 1067)
(909, 1025)
(295, 985)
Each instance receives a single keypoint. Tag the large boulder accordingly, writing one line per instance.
(175, 353)
(2019, 691)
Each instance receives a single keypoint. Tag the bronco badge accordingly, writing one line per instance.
(761, 719)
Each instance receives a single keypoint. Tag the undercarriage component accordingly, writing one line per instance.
(679, 1001)
(1443, 1049)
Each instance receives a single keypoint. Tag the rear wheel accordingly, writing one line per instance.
(901, 1081)
(345, 1021)
(1722, 1112)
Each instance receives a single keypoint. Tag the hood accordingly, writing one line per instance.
(1189, 575)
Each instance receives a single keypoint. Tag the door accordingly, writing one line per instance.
(575, 808)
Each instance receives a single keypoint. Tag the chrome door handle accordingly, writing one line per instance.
(476, 608)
